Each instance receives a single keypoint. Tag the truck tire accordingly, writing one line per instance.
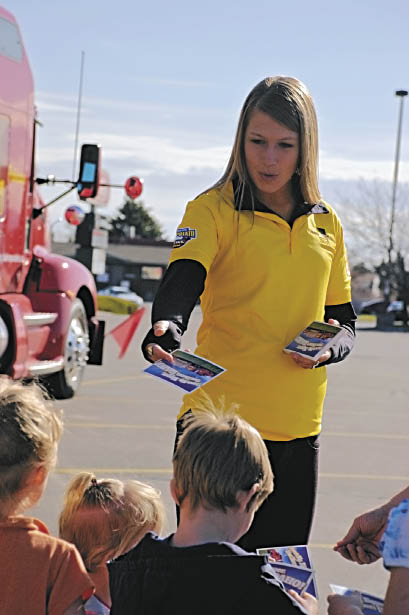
(64, 384)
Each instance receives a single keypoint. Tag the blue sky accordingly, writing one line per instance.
(164, 83)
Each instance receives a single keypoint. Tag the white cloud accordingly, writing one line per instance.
(153, 153)
(342, 168)
(177, 82)
(55, 107)
(114, 106)
(178, 158)
(49, 156)
(168, 138)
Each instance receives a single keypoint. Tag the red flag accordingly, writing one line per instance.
(123, 333)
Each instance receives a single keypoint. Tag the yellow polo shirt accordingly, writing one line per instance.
(265, 282)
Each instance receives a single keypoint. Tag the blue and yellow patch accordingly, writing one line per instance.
(183, 235)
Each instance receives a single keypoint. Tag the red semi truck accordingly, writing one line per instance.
(48, 303)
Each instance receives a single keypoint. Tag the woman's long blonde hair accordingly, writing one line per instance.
(286, 100)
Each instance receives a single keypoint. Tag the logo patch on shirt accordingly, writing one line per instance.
(324, 238)
(183, 235)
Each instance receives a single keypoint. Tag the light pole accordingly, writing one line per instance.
(401, 94)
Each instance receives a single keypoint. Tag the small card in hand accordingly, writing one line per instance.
(292, 565)
(315, 339)
(188, 371)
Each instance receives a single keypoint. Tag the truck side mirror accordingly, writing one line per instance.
(88, 179)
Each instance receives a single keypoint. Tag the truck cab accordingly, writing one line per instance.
(48, 303)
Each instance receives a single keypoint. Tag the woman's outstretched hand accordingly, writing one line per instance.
(155, 351)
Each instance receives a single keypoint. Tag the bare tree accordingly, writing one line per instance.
(366, 218)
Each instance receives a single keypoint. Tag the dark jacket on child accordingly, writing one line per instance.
(155, 578)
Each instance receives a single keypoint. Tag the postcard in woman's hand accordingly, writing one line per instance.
(188, 371)
(315, 339)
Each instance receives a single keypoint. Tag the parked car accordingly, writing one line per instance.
(397, 308)
(122, 293)
(380, 306)
(374, 306)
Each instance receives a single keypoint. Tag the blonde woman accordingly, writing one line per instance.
(104, 519)
(266, 256)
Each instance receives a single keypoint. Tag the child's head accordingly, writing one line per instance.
(217, 457)
(105, 518)
(29, 432)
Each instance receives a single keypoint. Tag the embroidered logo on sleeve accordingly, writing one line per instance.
(326, 239)
(183, 235)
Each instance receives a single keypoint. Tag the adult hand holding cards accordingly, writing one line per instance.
(315, 339)
(188, 371)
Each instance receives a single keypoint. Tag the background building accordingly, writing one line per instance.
(139, 264)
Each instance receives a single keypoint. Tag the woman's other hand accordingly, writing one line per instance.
(307, 363)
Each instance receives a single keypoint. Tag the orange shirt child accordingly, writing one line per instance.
(39, 574)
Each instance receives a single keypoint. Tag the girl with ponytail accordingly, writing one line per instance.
(104, 519)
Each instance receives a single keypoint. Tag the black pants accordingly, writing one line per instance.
(285, 517)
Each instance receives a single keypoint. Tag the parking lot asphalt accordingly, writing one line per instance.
(122, 424)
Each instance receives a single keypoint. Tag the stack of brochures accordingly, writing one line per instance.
(292, 565)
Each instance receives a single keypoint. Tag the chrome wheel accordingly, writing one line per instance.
(65, 383)
(76, 348)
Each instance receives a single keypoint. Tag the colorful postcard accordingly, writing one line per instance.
(188, 371)
(315, 339)
(293, 567)
(370, 605)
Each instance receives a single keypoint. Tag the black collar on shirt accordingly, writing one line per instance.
(300, 209)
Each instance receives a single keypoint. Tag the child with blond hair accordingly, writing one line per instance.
(39, 574)
(104, 519)
(221, 476)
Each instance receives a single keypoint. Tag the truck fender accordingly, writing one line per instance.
(63, 274)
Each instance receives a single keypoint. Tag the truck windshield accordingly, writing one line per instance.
(10, 43)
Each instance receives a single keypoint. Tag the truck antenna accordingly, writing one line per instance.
(77, 129)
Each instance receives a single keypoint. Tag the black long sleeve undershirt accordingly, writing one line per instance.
(177, 295)
(180, 289)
